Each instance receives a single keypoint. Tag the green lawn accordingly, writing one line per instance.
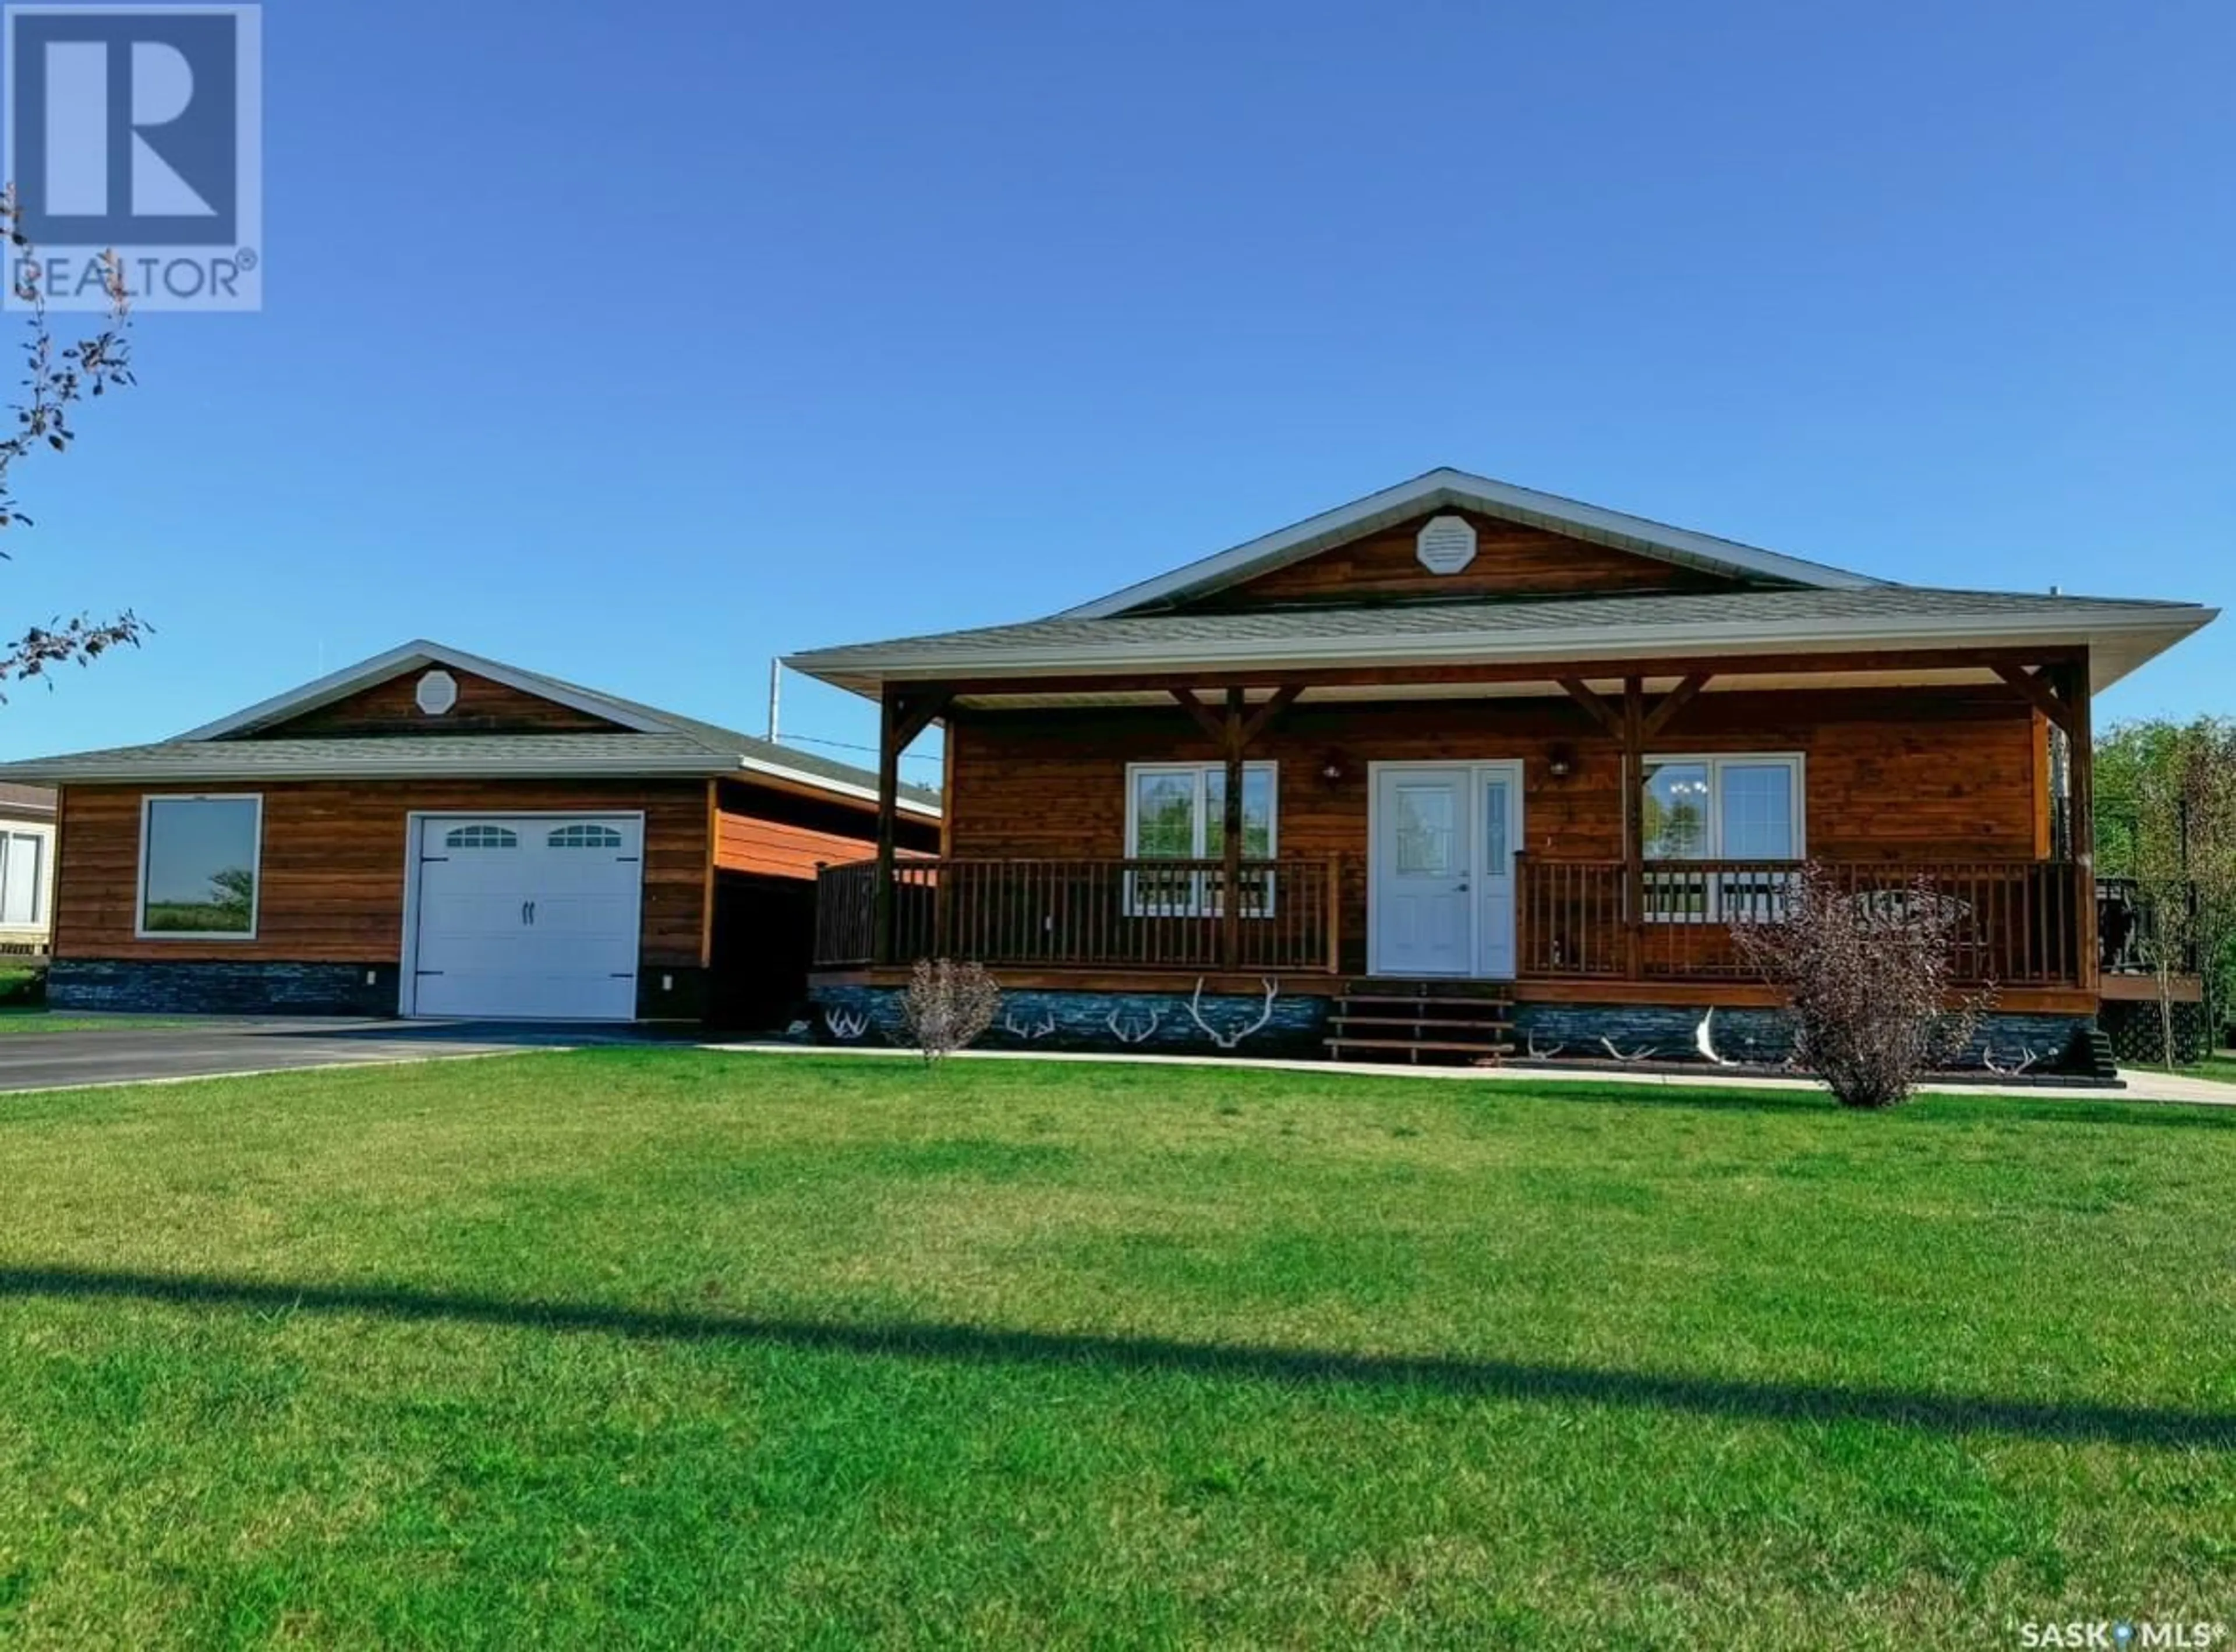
(24, 1018)
(658, 1346)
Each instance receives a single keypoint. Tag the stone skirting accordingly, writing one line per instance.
(1047, 1018)
(1756, 1035)
(1056, 1020)
(216, 987)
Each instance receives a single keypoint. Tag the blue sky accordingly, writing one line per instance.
(639, 343)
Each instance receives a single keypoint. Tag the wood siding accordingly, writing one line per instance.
(1893, 774)
(1511, 560)
(779, 835)
(332, 871)
(775, 850)
(484, 707)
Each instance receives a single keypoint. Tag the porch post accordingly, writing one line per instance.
(901, 717)
(889, 787)
(1634, 825)
(1230, 938)
(2082, 737)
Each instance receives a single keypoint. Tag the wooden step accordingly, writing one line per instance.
(1405, 987)
(1432, 1045)
(1427, 1004)
(1479, 1025)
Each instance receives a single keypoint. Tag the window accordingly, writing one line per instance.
(1178, 812)
(481, 837)
(1741, 808)
(585, 836)
(199, 858)
(23, 879)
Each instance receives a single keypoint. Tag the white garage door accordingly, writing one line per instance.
(528, 915)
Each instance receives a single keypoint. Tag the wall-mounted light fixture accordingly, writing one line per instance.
(1559, 762)
(1331, 769)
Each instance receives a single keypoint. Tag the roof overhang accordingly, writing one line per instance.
(1448, 489)
(237, 763)
(2118, 639)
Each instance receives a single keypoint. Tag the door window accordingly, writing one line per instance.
(1425, 838)
(1495, 848)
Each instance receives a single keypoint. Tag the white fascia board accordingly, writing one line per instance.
(1583, 643)
(825, 783)
(339, 685)
(127, 772)
(1449, 487)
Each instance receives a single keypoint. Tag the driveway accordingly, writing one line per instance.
(126, 1054)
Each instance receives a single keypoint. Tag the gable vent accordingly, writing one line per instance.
(436, 692)
(1445, 544)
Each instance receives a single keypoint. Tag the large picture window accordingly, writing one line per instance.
(199, 861)
(1742, 807)
(1178, 812)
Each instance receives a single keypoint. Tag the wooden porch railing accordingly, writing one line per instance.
(2018, 922)
(1087, 914)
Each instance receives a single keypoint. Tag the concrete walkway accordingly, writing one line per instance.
(2140, 1086)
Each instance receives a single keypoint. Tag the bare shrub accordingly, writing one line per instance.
(1867, 976)
(948, 1006)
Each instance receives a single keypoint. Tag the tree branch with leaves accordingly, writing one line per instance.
(58, 377)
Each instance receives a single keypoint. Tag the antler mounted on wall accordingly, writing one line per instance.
(1134, 1032)
(1229, 1040)
(1041, 1029)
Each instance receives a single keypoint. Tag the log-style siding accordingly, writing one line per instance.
(1893, 774)
(1511, 560)
(779, 835)
(331, 876)
(775, 850)
(484, 707)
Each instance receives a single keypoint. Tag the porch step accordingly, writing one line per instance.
(1443, 989)
(1480, 1023)
(1377, 1018)
(1417, 1048)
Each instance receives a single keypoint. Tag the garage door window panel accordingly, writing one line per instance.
(482, 837)
(585, 837)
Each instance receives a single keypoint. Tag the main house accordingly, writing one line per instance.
(1461, 743)
(432, 833)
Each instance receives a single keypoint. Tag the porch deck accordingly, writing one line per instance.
(2020, 923)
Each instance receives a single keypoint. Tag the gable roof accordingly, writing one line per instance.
(2122, 634)
(648, 741)
(1445, 489)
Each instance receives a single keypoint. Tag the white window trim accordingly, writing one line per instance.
(1712, 903)
(140, 930)
(1198, 905)
(42, 890)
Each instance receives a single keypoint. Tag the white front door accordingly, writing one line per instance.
(1498, 835)
(1440, 892)
(532, 917)
(1419, 895)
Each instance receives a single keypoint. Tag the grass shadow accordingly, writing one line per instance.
(2051, 1420)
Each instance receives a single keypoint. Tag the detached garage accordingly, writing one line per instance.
(432, 833)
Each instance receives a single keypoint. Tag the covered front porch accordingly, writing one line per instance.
(1491, 822)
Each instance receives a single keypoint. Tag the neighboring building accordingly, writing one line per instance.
(432, 833)
(1460, 745)
(27, 870)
